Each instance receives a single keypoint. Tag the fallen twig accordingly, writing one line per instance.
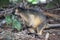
(51, 15)
(46, 36)
(8, 11)
(53, 25)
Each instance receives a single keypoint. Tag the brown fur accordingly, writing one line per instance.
(33, 19)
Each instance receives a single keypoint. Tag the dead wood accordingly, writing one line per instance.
(51, 15)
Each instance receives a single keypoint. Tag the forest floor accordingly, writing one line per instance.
(7, 33)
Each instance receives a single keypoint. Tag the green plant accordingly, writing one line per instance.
(15, 23)
(15, 1)
(4, 2)
(33, 1)
(49, 5)
(52, 4)
(8, 20)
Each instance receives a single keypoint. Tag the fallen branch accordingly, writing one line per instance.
(51, 15)
(8, 11)
(53, 25)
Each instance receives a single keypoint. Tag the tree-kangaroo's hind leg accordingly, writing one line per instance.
(40, 29)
